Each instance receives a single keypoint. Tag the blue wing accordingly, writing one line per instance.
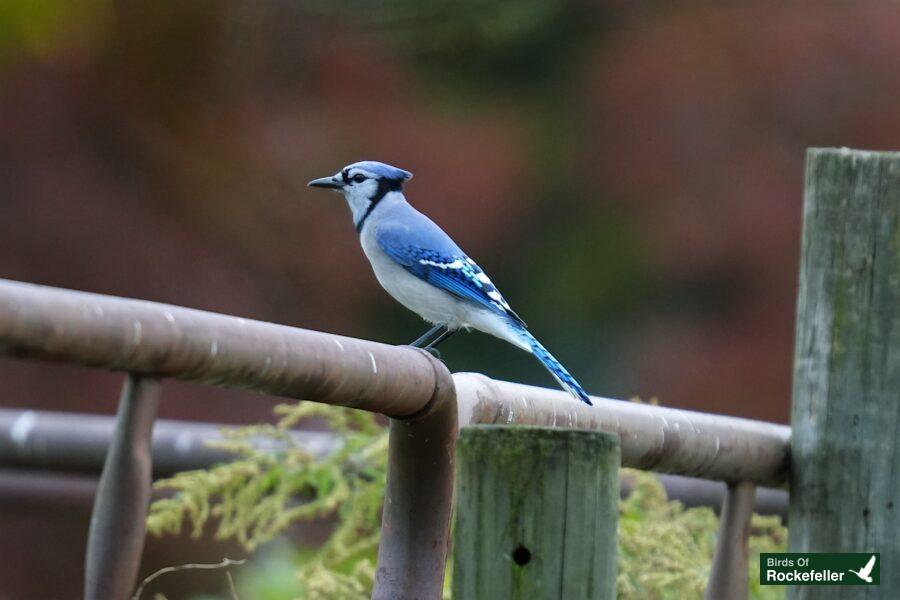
(429, 254)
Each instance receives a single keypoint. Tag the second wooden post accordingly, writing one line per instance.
(845, 449)
(537, 514)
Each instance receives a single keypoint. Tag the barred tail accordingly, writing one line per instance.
(556, 369)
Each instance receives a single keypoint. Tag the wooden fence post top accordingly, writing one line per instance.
(494, 431)
(537, 513)
(512, 440)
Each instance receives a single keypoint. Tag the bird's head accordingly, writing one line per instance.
(364, 184)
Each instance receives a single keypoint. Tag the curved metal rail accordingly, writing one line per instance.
(153, 340)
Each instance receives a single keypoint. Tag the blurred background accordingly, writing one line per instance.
(630, 174)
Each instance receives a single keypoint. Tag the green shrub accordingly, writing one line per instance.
(664, 549)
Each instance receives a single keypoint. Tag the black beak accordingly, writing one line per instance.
(328, 183)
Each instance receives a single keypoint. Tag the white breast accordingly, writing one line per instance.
(431, 303)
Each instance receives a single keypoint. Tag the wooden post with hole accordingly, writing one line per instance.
(845, 447)
(537, 514)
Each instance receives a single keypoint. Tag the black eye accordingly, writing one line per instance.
(359, 178)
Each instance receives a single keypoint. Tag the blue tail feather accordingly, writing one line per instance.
(556, 369)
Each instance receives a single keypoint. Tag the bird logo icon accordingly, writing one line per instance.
(866, 572)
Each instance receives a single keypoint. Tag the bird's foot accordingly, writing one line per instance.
(434, 352)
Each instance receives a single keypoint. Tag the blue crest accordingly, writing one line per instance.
(381, 170)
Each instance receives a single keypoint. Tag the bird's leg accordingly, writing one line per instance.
(428, 335)
(432, 347)
(447, 333)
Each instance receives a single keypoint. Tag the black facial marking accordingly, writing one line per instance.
(345, 175)
(384, 186)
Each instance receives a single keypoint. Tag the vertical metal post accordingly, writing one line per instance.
(729, 577)
(116, 536)
(415, 526)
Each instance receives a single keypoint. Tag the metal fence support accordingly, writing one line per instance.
(413, 389)
(692, 492)
(116, 536)
(43, 323)
(415, 526)
(845, 451)
(729, 576)
(77, 443)
(653, 438)
(35, 440)
(160, 340)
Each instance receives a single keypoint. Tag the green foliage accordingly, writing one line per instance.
(664, 548)
(273, 483)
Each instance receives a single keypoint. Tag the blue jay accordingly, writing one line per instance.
(423, 269)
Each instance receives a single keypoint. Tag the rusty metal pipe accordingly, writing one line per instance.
(729, 577)
(156, 339)
(33, 441)
(77, 442)
(118, 521)
(159, 340)
(415, 526)
(653, 438)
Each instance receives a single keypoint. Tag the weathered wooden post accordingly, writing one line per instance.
(537, 514)
(845, 447)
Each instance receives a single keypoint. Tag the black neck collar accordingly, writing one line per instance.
(384, 186)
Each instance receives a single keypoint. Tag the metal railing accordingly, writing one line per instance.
(426, 404)
(63, 442)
